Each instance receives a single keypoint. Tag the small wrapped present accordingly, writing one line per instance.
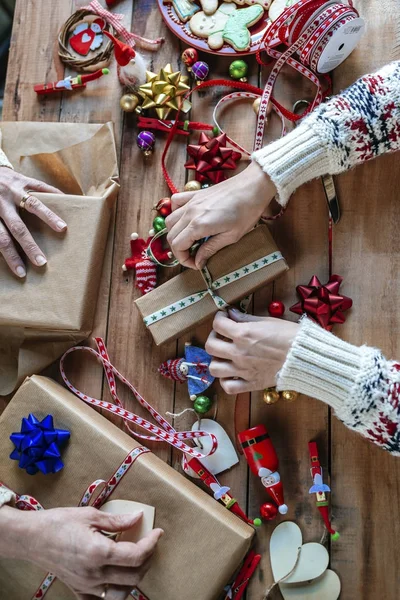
(54, 306)
(192, 297)
(204, 542)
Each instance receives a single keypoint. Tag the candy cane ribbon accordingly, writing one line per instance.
(115, 21)
(164, 433)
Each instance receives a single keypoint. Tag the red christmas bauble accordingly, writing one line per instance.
(268, 511)
(164, 207)
(276, 308)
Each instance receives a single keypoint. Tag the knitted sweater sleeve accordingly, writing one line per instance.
(360, 385)
(353, 127)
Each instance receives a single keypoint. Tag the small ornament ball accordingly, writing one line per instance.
(256, 106)
(202, 404)
(268, 511)
(271, 396)
(146, 141)
(192, 186)
(129, 102)
(289, 395)
(238, 69)
(216, 131)
(158, 224)
(276, 309)
(189, 57)
(164, 207)
(200, 70)
(257, 522)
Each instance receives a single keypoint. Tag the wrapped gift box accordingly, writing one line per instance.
(54, 306)
(203, 543)
(236, 271)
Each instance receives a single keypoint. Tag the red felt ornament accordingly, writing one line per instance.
(276, 309)
(268, 511)
(87, 36)
(322, 303)
(144, 265)
(211, 157)
(164, 207)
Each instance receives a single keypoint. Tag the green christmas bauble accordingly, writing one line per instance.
(238, 69)
(158, 224)
(216, 131)
(202, 404)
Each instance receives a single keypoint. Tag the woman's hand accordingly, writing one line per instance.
(67, 542)
(248, 351)
(224, 212)
(13, 187)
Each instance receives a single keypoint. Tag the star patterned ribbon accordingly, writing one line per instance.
(212, 286)
(37, 445)
(322, 303)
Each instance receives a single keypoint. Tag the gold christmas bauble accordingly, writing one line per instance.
(271, 396)
(289, 395)
(192, 186)
(129, 102)
(256, 106)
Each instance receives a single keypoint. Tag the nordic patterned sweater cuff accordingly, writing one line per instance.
(4, 162)
(293, 160)
(322, 366)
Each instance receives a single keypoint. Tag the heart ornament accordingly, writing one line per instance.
(300, 569)
(225, 455)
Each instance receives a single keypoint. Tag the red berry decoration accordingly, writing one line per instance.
(268, 511)
(276, 308)
(164, 207)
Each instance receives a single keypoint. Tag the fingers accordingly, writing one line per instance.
(32, 184)
(223, 325)
(126, 554)
(36, 207)
(211, 246)
(20, 232)
(173, 218)
(178, 200)
(218, 348)
(181, 242)
(224, 369)
(10, 254)
(240, 317)
(115, 523)
(236, 386)
(126, 576)
(118, 593)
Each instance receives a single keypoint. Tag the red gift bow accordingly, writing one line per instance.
(210, 157)
(322, 303)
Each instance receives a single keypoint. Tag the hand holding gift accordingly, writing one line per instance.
(74, 549)
(18, 191)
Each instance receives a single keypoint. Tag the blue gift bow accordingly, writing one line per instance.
(37, 445)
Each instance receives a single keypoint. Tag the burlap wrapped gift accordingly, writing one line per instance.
(203, 542)
(54, 306)
(183, 302)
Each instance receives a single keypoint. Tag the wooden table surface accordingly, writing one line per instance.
(365, 480)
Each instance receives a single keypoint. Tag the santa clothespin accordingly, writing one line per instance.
(319, 488)
(131, 65)
(69, 83)
(242, 579)
(143, 260)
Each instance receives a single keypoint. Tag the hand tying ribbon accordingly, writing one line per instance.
(115, 21)
(37, 445)
(322, 303)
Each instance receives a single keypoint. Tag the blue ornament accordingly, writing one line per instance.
(37, 445)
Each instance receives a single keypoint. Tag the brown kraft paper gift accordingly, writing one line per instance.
(53, 307)
(255, 245)
(203, 543)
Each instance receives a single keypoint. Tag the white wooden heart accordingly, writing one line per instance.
(325, 587)
(285, 542)
(86, 38)
(225, 456)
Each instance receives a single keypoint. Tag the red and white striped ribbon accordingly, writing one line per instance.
(164, 433)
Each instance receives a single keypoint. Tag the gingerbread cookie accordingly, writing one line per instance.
(228, 24)
(185, 9)
(209, 6)
(277, 8)
(264, 3)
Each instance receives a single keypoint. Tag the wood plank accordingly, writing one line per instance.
(142, 185)
(301, 235)
(366, 480)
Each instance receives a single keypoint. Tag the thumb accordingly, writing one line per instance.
(210, 247)
(240, 317)
(116, 523)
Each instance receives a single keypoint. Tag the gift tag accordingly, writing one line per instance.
(225, 455)
(284, 545)
(327, 586)
(125, 507)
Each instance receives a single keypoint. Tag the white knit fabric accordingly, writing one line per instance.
(353, 127)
